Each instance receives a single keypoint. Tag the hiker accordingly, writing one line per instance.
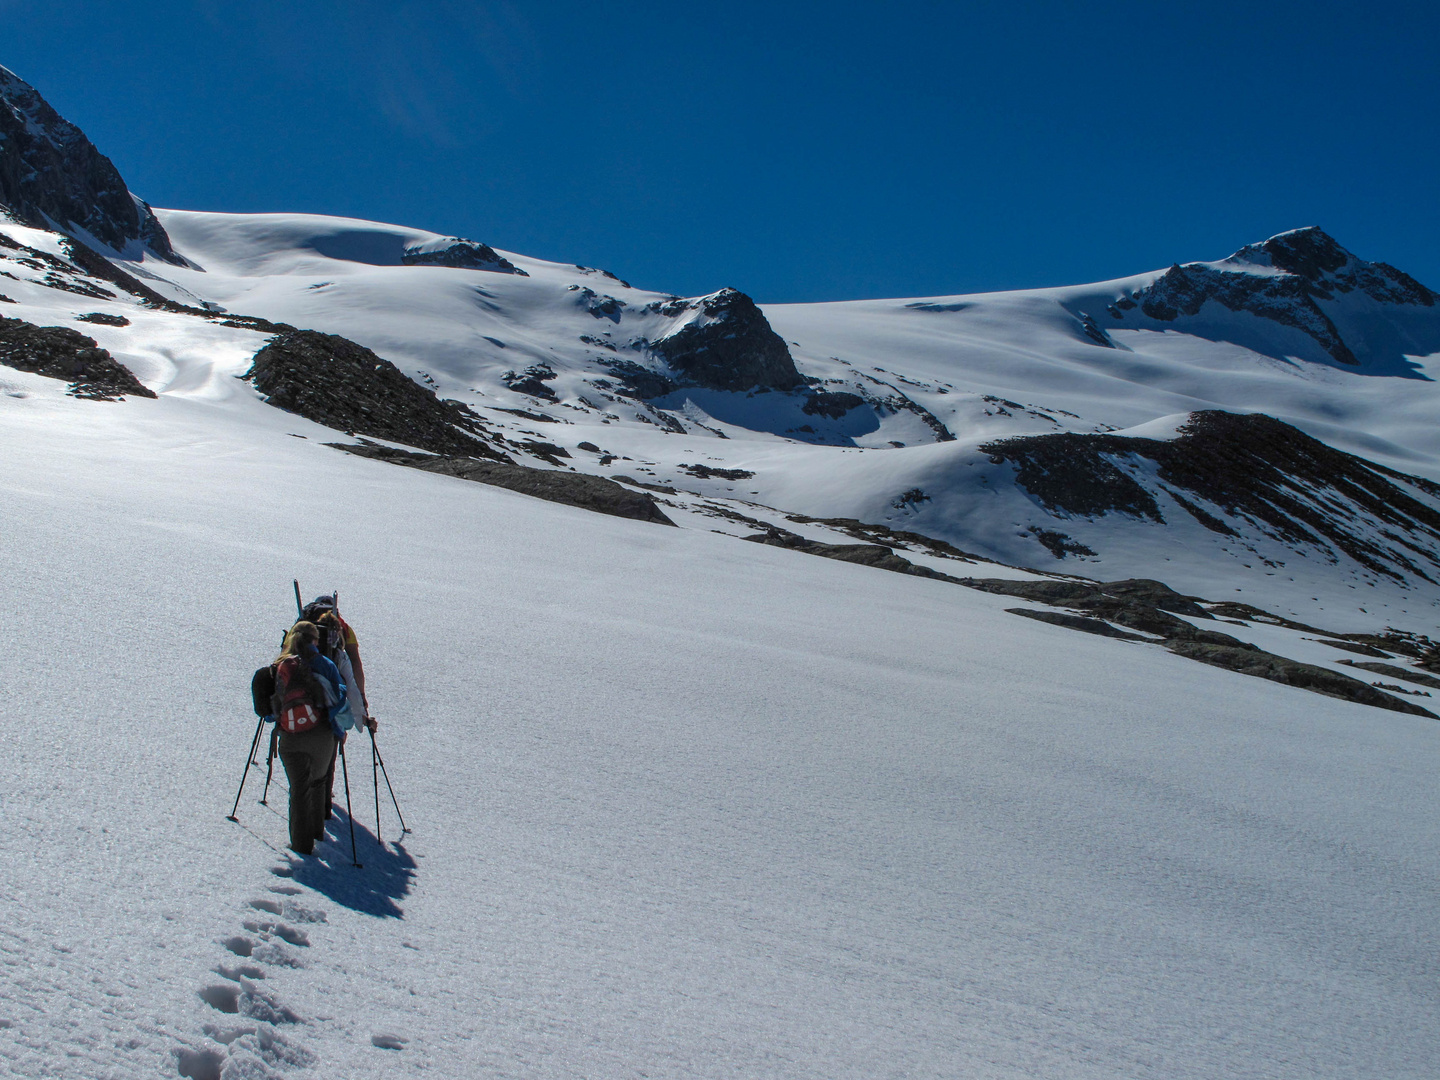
(359, 703)
(343, 648)
(307, 741)
(332, 635)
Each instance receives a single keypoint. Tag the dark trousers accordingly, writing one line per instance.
(306, 756)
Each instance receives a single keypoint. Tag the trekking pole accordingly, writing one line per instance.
(345, 772)
(249, 760)
(380, 758)
(270, 763)
(299, 607)
(375, 776)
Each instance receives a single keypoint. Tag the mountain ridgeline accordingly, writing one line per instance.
(1303, 280)
(1291, 378)
(51, 176)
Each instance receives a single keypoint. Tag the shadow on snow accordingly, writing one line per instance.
(385, 877)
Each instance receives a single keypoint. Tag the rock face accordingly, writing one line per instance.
(877, 555)
(461, 254)
(1258, 472)
(1289, 279)
(573, 489)
(1145, 605)
(51, 176)
(724, 342)
(58, 352)
(333, 381)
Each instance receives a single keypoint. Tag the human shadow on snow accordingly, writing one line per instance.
(385, 877)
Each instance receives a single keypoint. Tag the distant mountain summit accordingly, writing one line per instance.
(1302, 279)
(52, 177)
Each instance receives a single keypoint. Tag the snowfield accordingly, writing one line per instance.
(681, 806)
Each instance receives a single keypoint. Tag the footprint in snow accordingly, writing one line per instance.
(240, 946)
(279, 929)
(246, 971)
(289, 909)
(252, 1051)
(388, 1042)
(247, 999)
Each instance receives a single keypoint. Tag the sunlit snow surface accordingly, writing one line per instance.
(682, 806)
(968, 360)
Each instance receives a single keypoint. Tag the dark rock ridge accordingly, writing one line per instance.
(572, 489)
(51, 176)
(461, 254)
(1248, 660)
(1253, 469)
(335, 382)
(1083, 623)
(884, 534)
(707, 472)
(724, 342)
(1150, 608)
(1395, 672)
(1313, 269)
(876, 555)
(1145, 605)
(84, 269)
(58, 352)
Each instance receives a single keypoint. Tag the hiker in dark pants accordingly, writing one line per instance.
(344, 650)
(307, 743)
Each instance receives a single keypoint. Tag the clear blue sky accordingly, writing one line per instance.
(798, 151)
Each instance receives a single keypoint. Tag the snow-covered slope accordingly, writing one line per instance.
(681, 806)
(684, 805)
(902, 398)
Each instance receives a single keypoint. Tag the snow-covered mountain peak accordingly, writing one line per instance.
(1310, 252)
(459, 253)
(51, 175)
(1366, 315)
(1328, 268)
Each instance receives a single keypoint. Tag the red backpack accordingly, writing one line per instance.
(298, 698)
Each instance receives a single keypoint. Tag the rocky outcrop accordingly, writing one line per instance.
(532, 381)
(572, 489)
(335, 382)
(1286, 279)
(1260, 664)
(58, 352)
(598, 305)
(724, 342)
(876, 555)
(460, 254)
(1147, 606)
(1257, 471)
(51, 176)
(831, 403)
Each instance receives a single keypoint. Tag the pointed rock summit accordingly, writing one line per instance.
(52, 177)
(1302, 279)
(724, 341)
